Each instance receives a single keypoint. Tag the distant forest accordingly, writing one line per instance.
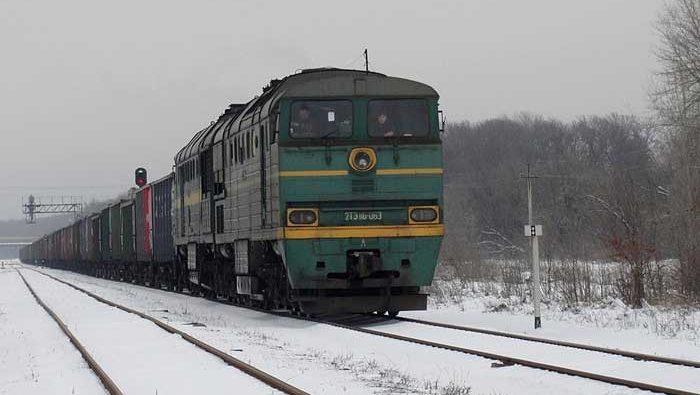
(604, 192)
(611, 188)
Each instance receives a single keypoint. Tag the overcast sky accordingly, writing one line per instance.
(90, 90)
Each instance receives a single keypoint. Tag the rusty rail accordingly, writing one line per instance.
(250, 370)
(108, 383)
(507, 360)
(623, 353)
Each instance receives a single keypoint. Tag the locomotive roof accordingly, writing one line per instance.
(322, 82)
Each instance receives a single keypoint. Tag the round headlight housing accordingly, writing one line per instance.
(424, 214)
(302, 217)
(362, 159)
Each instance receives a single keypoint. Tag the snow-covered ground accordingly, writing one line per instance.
(651, 330)
(327, 360)
(677, 377)
(35, 356)
(603, 309)
(139, 357)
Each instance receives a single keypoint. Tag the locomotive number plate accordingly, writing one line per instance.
(363, 216)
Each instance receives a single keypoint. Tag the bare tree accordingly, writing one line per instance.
(597, 195)
(677, 99)
(626, 199)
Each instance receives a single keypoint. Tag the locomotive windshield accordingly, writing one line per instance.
(398, 118)
(321, 119)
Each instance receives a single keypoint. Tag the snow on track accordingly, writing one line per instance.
(329, 360)
(36, 357)
(539, 339)
(632, 339)
(662, 374)
(140, 357)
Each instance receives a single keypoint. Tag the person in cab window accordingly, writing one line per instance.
(302, 126)
(385, 127)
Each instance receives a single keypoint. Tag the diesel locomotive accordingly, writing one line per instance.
(323, 194)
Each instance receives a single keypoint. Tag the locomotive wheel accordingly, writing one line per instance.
(393, 314)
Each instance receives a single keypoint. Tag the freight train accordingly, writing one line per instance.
(323, 194)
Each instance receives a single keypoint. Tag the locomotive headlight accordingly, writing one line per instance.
(423, 215)
(362, 159)
(302, 217)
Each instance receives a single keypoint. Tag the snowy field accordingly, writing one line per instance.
(322, 359)
(650, 330)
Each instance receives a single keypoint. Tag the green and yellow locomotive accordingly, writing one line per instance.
(323, 194)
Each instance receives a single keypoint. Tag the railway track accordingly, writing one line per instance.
(108, 383)
(506, 360)
(629, 354)
(498, 358)
(246, 368)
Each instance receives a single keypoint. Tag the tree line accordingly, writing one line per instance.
(613, 188)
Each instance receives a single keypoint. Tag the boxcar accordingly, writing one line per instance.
(75, 256)
(94, 238)
(128, 252)
(105, 239)
(143, 224)
(84, 230)
(115, 231)
(163, 250)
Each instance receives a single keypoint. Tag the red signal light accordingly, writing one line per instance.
(141, 177)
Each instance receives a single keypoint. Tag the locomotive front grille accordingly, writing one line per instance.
(359, 186)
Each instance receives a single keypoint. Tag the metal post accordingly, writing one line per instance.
(534, 243)
(536, 280)
(366, 61)
(529, 196)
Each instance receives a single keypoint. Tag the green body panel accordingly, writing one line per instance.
(383, 199)
(348, 186)
(303, 255)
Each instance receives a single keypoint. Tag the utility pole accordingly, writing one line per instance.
(533, 232)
